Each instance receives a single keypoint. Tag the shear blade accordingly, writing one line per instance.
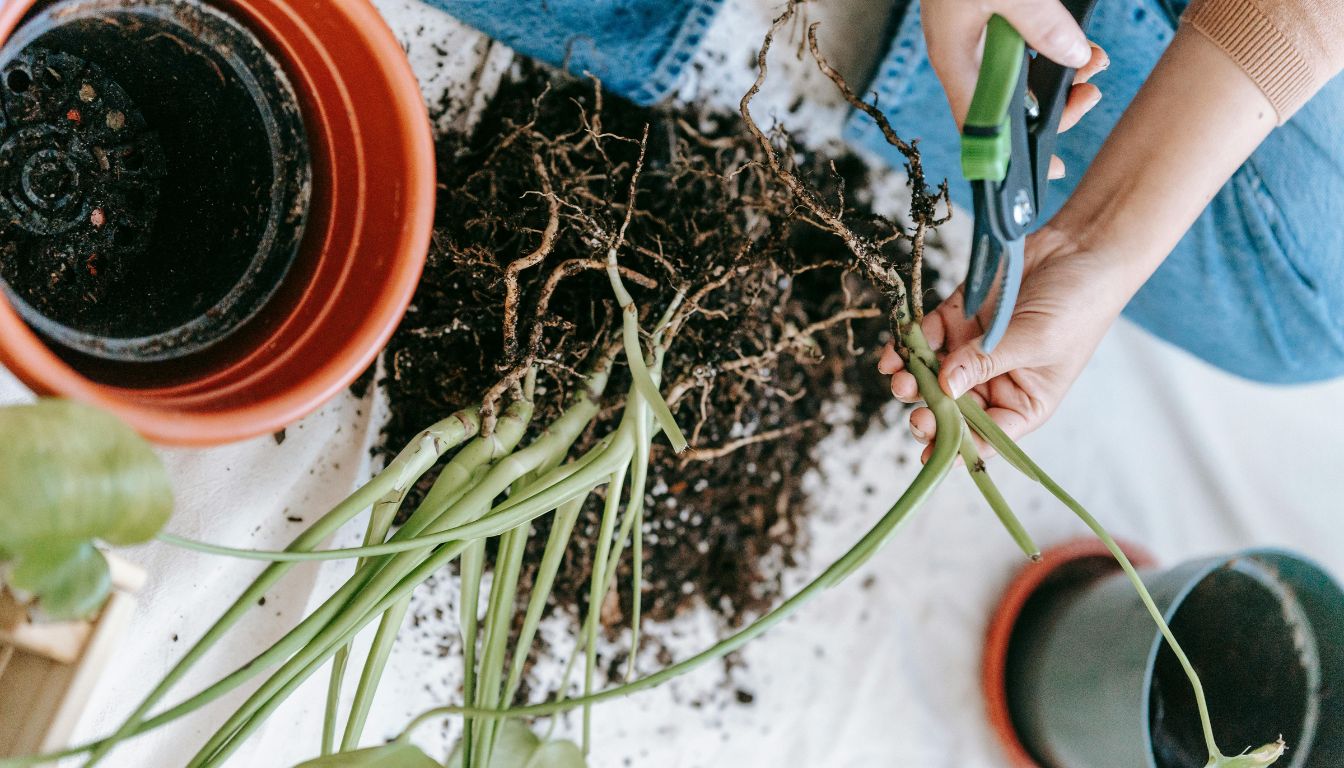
(986, 253)
(1006, 301)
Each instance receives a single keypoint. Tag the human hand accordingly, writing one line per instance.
(954, 31)
(1070, 296)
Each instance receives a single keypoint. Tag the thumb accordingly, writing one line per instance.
(969, 366)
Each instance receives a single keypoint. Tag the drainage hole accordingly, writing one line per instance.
(19, 80)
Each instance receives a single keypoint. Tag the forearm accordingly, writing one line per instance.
(1192, 124)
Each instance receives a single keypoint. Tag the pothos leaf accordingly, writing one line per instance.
(395, 755)
(1259, 758)
(557, 754)
(66, 580)
(71, 474)
(516, 746)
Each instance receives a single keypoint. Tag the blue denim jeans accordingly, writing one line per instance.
(638, 48)
(1256, 287)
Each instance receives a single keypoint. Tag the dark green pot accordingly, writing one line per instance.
(1091, 684)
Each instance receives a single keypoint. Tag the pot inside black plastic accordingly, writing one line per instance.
(1091, 684)
(154, 176)
(1255, 649)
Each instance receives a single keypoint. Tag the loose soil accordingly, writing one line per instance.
(79, 189)
(148, 204)
(769, 354)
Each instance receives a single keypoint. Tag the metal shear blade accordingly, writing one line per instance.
(1009, 283)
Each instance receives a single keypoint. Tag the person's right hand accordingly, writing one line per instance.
(1070, 296)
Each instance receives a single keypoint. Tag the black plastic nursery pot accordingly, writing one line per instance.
(154, 176)
(1088, 681)
(190, 241)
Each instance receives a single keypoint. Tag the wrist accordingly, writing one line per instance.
(1110, 275)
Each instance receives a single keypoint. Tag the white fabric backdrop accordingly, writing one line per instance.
(882, 670)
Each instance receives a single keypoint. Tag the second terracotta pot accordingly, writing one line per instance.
(1082, 678)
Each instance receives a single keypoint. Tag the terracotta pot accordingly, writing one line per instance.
(1077, 562)
(356, 268)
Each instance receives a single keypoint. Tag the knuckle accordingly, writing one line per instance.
(981, 365)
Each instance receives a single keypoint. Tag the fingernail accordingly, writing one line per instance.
(959, 382)
(919, 434)
(1080, 52)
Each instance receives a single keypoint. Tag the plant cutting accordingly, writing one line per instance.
(524, 456)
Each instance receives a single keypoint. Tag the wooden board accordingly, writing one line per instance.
(48, 671)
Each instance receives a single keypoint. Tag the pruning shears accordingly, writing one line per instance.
(1006, 144)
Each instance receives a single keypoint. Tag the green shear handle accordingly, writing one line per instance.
(986, 144)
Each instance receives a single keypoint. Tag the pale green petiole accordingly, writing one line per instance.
(1002, 443)
(975, 466)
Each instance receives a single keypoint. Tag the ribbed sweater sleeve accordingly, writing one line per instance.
(1289, 48)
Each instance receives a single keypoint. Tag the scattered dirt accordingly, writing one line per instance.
(771, 350)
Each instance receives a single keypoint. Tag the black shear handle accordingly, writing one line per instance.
(1050, 84)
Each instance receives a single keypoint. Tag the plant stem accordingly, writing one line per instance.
(471, 567)
(379, 653)
(946, 446)
(329, 714)
(634, 352)
(1001, 442)
(380, 521)
(562, 529)
(597, 590)
(557, 439)
(445, 492)
(970, 455)
(413, 461)
(499, 615)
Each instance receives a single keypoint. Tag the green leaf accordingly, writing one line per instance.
(517, 747)
(557, 754)
(71, 473)
(66, 580)
(1261, 757)
(395, 755)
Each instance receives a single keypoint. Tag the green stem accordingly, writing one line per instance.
(445, 492)
(597, 590)
(379, 653)
(405, 469)
(1002, 443)
(945, 450)
(543, 488)
(635, 509)
(329, 714)
(634, 355)
(380, 522)
(472, 568)
(498, 621)
(562, 530)
(508, 432)
(557, 439)
(970, 456)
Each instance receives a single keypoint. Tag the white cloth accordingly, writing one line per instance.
(880, 671)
